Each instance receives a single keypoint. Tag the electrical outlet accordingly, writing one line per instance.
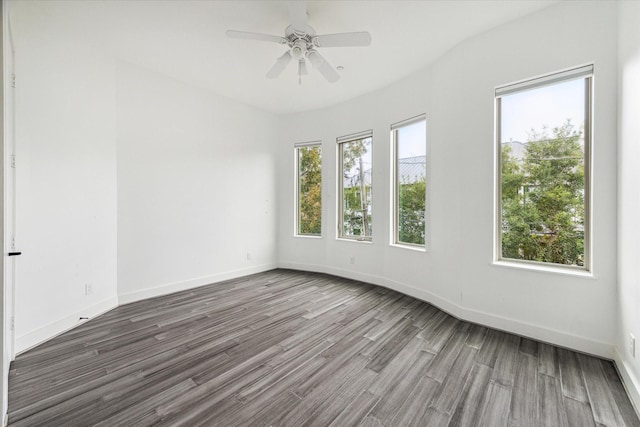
(632, 345)
(352, 260)
(88, 289)
(248, 256)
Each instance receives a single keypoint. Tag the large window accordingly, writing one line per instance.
(543, 135)
(354, 153)
(410, 181)
(309, 189)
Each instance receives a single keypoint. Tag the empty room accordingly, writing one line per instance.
(320, 213)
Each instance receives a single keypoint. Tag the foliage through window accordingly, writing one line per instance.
(544, 139)
(410, 181)
(355, 220)
(309, 189)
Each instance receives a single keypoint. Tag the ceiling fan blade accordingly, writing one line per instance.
(255, 36)
(320, 64)
(298, 14)
(362, 38)
(279, 66)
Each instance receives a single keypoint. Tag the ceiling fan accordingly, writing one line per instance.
(303, 44)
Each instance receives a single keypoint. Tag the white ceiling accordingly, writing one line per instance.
(186, 40)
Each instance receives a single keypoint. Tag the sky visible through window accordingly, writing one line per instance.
(413, 140)
(548, 106)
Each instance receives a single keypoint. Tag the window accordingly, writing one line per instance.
(409, 141)
(543, 129)
(354, 154)
(309, 189)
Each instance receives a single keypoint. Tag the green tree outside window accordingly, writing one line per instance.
(543, 216)
(309, 190)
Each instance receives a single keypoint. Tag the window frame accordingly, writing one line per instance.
(296, 151)
(395, 193)
(585, 72)
(340, 141)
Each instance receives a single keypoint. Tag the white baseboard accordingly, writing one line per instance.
(541, 333)
(630, 381)
(40, 335)
(170, 288)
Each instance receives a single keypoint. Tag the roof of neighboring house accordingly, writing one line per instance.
(411, 169)
(518, 149)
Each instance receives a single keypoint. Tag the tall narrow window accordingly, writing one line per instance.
(544, 137)
(354, 153)
(409, 140)
(309, 189)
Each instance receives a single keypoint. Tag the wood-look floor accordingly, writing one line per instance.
(288, 348)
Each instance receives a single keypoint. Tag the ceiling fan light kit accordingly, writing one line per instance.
(303, 43)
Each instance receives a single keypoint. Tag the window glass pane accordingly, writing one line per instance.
(309, 161)
(542, 160)
(410, 185)
(356, 188)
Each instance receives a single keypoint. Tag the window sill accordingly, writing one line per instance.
(422, 249)
(346, 239)
(563, 271)
(302, 236)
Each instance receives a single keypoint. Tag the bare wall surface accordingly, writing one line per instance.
(196, 186)
(628, 313)
(65, 178)
(185, 178)
(5, 332)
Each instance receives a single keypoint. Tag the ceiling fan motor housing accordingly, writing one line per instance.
(299, 49)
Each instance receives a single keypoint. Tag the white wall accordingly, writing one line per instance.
(66, 178)
(457, 94)
(6, 344)
(196, 186)
(185, 179)
(629, 196)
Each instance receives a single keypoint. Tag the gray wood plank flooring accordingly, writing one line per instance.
(287, 348)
